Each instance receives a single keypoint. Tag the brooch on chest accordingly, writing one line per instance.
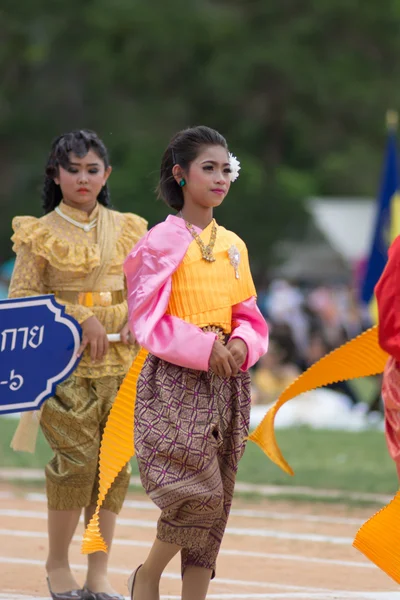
(234, 259)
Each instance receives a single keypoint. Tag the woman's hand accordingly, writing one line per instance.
(222, 362)
(93, 333)
(127, 336)
(238, 349)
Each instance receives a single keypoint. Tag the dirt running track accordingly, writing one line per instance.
(271, 550)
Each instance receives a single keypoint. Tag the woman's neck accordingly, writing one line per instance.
(87, 207)
(197, 215)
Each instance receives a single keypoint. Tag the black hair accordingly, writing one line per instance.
(79, 142)
(182, 150)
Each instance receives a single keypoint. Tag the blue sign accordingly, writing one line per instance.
(38, 346)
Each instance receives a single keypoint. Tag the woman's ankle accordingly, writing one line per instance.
(55, 565)
(60, 578)
(149, 575)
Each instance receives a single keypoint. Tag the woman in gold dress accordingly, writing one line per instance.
(76, 252)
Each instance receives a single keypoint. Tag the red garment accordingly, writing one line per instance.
(391, 401)
(387, 293)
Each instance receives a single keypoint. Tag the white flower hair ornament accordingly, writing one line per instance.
(235, 167)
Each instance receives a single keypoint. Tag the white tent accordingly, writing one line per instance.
(347, 224)
(339, 237)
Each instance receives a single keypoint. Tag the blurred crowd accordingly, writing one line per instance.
(306, 323)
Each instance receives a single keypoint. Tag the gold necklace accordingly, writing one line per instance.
(206, 251)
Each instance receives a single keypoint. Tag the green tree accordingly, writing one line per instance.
(299, 88)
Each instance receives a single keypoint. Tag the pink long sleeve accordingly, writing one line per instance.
(148, 274)
(250, 326)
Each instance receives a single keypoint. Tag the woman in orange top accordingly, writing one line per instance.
(76, 251)
(192, 305)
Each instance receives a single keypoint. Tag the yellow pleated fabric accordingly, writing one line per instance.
(360, 357)
(117, 448)
(203, 293)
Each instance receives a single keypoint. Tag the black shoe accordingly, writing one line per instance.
(72, 595)
(103, 595)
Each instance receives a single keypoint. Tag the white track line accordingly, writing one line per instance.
(239, 553)
(239, 531)
(264, 514)
(272, 596)
(177, 576)
(235, 512)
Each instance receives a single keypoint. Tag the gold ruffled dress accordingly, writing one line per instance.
(56, 256)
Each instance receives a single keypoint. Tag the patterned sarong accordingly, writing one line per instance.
(190, 430)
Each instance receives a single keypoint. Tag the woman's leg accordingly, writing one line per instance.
(177, 457)
(233, 402)
(149, 575)
(205, 557)
(70, 475)
(61, 528)
(195, 583)
(190, 508)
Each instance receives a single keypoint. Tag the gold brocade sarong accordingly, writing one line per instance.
(73, 421)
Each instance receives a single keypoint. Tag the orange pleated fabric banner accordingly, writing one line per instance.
(116, 449)
(378, 539)
(357, 358)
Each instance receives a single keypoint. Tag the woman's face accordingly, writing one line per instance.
(82, 181)
(208, 180)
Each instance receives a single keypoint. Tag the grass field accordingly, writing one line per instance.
(348, 461)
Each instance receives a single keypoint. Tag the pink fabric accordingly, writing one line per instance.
(148, 269)
(250, 326)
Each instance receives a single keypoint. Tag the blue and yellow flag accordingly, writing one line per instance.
(387, 224)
